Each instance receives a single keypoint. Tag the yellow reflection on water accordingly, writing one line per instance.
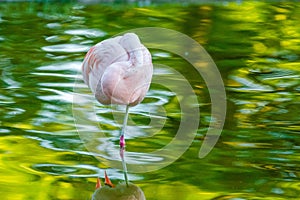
(19, 180)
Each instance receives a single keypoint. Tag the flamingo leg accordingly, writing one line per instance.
(122, 144)
(122, 136)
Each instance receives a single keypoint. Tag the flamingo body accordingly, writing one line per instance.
(118, 70)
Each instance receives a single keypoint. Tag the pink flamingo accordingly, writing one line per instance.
(119, 71)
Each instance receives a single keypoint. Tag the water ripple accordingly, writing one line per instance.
(69, 170)
(89, 33)
(248, 85)
(59, 96)
(66, 48)
(62, 66)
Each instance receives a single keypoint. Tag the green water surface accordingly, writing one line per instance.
(256, 47)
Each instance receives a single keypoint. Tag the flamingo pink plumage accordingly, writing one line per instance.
(118, 70)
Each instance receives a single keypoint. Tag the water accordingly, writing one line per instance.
(256, 49)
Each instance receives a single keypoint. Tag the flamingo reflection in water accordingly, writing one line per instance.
(119, 71)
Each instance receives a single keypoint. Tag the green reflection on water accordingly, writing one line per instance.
(256, 47)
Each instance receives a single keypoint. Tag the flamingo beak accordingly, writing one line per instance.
(107, 181)
(98, 184)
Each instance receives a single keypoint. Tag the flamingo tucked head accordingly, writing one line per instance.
(118, 70)
(119, 192)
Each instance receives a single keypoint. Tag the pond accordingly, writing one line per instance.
(55, 138)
